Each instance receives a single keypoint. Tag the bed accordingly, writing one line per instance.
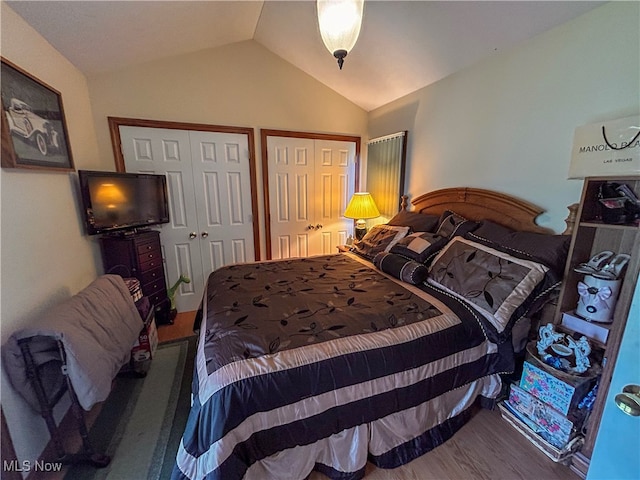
(376, 355)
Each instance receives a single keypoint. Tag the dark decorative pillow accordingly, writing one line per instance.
(551, 250)
(401, 268)
(417, 222)
(420, 246)
(500, 286)
(379, 238)
(452, 224)
(492, 231)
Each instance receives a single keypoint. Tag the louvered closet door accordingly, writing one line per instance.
(210, 200)
(310, 183)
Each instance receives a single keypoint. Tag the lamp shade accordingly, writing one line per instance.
(339, 22)
(110, 195)
(361, 206)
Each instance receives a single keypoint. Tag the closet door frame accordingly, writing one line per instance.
(114, 129)
(264, 133)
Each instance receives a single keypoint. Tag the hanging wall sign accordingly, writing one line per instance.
(606, 148)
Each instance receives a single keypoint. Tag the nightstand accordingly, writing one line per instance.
(344, 248)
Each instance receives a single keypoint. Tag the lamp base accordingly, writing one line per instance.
(361, 229)
(360, 233)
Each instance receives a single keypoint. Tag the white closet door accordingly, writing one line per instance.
(310, 183)
(334, 178)
(203, 189)
(168, 151)
(222, 186)
(291, 196)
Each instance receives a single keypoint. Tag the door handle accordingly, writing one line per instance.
(204, 234)
(193, 235)
(310, 227)
(318, 226)
(629, 400)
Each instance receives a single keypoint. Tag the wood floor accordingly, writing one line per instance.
(486, 448)
(182, 327)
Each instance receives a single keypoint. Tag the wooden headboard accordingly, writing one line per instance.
(478, 204)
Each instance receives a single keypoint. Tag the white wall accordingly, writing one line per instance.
(242, 84)
(45, 255)
(507, 123)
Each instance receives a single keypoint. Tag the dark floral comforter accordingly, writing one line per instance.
(264, 308)
(325, 363)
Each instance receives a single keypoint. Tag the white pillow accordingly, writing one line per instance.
(379, 238)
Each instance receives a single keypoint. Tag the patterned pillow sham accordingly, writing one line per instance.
(501, 287)
(420, 247)
(551, 250)
(379, 238)
(401, 268)
(417, 222)
(452, 224)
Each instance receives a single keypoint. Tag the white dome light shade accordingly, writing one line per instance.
(340, 22)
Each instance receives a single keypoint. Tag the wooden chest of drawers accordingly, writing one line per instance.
(139, 255)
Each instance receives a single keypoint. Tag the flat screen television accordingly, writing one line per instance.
(120, 202)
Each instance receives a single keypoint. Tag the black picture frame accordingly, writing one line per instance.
(34, 129)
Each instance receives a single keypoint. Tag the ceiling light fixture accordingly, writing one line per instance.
(340, 22)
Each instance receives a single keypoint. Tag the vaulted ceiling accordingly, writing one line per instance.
(403, 45)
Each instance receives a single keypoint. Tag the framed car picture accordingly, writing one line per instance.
(34, 131)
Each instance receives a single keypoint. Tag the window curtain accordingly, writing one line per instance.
(385, 171)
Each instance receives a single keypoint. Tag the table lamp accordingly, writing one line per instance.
(110, 199)
(361, 206)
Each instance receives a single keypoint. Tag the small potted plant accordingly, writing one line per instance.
(171, 294)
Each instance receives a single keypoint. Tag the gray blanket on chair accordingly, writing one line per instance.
(97, 327)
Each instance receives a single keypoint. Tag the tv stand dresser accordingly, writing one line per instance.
(139, 255)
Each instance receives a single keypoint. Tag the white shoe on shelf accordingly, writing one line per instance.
(613, 269)
(595, 264)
